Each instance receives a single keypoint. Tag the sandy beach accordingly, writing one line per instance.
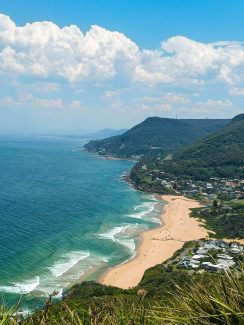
(157, 245)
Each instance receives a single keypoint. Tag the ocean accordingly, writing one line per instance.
(65, 215)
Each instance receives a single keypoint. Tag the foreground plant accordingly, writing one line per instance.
(218, 299)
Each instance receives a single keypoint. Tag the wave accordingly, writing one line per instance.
(142, 209)
(49, 289)
(23, 287)
(113, 232)
(151, 197)
(67, 262)
(154, 220)
(115, 235)
(129, 243)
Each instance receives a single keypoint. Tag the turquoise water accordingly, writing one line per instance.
(64, 213)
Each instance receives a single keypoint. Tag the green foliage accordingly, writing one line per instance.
(225, 221)
(220, 154)
(155, 136)
(225, 147)
(205, 300)
(220, 300)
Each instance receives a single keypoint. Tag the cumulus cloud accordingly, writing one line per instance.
(181, 60)
(45, 66)
(44, 50)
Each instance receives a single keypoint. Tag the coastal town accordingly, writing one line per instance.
(211, 256)
(214, 188)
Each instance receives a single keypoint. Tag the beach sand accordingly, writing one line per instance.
(157, 245)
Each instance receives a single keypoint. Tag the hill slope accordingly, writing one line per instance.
(105, 133)
(219, 154)
(155, 136)
(223, 147)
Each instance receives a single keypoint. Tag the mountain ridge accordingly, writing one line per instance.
(219, 154)
(155, 136)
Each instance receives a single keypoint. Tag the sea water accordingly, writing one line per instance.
(65, 215)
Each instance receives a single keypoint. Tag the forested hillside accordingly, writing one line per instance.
(155, 136)
(220, 154)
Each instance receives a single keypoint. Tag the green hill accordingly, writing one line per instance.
(155, 136)
(220, 154)
(223, 147)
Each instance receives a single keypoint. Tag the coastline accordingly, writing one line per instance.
(158, 244)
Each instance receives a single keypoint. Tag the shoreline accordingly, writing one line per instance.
(158, 244)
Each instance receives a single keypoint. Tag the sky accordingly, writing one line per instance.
(69, 66)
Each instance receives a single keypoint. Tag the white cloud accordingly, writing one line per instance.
(45, 87)
(211, 106)
(43, 66)
(113, 98)
(48, 103)
(176, 98)
(155, 109)
(28, 101)
(172, 98)
(236, 91)
(184, 61)
(76, 105)
(44, 50)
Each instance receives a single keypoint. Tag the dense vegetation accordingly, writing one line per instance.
(220, 154)
(164, 296)
(223, 147)
(155, 136)
(225, 220)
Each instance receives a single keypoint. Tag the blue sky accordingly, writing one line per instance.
(141, 58)
(146, 22)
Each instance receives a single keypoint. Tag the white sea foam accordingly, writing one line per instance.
(66, 262)
(129, 243)
(23, 287)
(138, 215)
(116, 235)
(47, 290)
(151, 197)
(142, 209)
(113, 232)
(154, 220)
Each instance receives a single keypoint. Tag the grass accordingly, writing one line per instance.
(219, 301)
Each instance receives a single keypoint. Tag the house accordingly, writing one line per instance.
(225, 257)
(221, 244)
(182, 265)
(198, 256)
(235, 250)
(225, 263)
(201, 251)
(193, 265)
(210, 245)
(211, 267)
(209, 186)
